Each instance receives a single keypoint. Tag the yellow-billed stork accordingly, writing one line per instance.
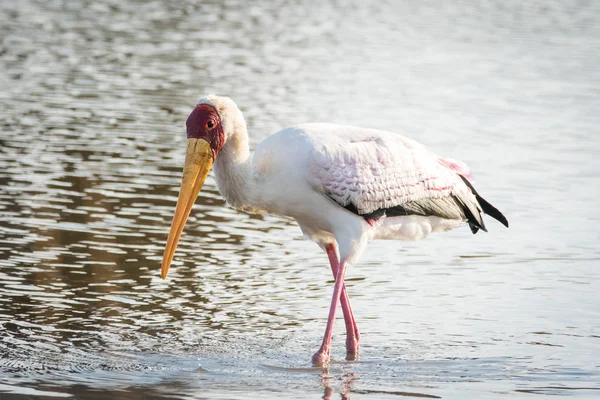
(343, 185)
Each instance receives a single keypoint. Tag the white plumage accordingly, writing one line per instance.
(344, 186)
(375, 169)
(315, 172)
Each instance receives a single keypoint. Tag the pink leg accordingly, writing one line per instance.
(352, 334)
(322, 356)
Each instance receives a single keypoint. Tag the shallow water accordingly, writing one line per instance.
(94, 98)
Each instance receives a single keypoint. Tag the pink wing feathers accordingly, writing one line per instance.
(374, 173)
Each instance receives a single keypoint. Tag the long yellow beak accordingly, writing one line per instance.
(198, 161)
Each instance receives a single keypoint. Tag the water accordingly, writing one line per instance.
(94, 98)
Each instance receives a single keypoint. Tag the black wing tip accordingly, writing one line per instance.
(475, 225)
(492, 211)
(502, 219)
(476, 228)
(486, 207)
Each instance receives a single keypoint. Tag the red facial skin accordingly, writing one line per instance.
(204, 122)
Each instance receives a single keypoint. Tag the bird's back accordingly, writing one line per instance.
(374, 173)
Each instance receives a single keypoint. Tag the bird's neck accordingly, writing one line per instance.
(233, 171)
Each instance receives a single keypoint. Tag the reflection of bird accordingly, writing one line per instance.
(343, 185)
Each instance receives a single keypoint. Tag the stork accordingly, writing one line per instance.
(343, 185)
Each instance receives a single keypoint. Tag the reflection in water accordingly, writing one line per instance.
(94, 100)
(345, 388)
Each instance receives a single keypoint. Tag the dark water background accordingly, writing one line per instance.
(94, 95)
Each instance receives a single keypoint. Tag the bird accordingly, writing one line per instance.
(343, 185)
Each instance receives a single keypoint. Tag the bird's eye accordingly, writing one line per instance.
(210, 124)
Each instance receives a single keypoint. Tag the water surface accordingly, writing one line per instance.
(94, 98)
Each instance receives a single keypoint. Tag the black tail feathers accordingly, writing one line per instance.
(491, 210)
(486, 207)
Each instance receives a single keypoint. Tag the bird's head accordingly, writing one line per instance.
(216, 120)
(211, 124)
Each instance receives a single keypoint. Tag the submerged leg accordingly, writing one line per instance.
(352, 334)
(322, 356)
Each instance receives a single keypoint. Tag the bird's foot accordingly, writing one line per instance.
(321, 357)
(352, 346)
(351, 355)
